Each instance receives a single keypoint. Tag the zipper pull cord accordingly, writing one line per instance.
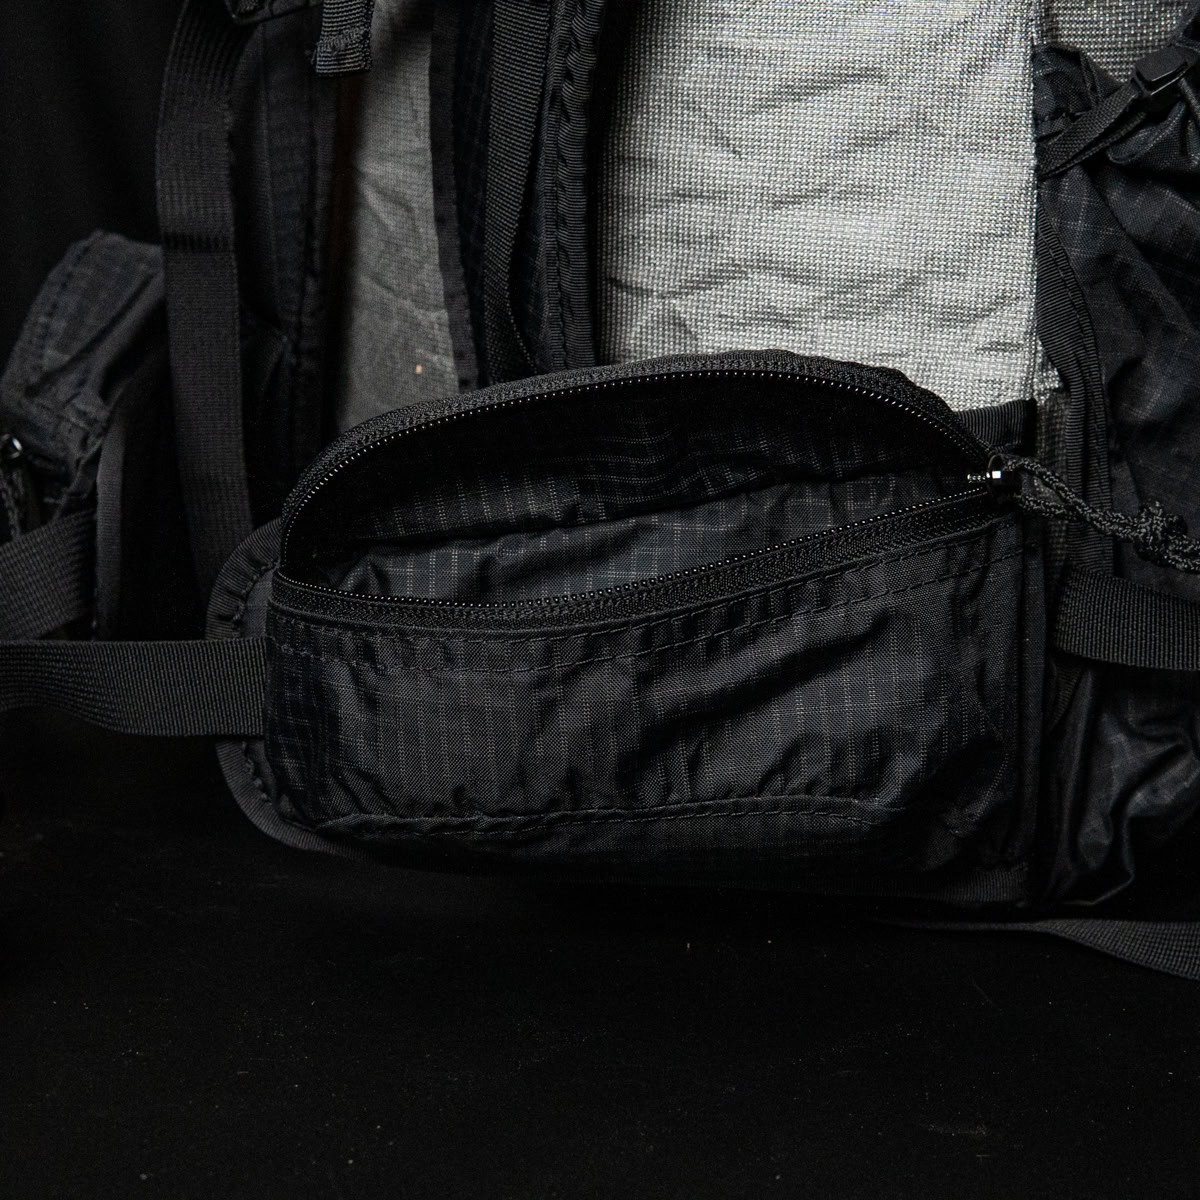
(1156, 535)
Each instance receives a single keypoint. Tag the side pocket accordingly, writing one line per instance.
(859, 728)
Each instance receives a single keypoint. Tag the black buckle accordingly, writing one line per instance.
(1162, 69)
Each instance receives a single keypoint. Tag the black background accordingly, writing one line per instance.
(187, 1009)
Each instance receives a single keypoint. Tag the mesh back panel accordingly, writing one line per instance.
(834, 177)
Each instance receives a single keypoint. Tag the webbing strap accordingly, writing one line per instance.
(1172, 947)
(1157, 79)
(167, 689)
(46, 578)
(1115, 117)
(1115, 620)
(344, 47)
(520, 38)
(195, 212)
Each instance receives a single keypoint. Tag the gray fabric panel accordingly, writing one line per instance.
(396, 338)
(1115, 33)
(834, 177)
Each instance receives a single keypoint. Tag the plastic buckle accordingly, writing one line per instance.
(1162, 69)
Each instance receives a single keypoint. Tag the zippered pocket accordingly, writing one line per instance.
(739, 624)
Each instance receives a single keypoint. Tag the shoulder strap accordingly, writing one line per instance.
(195, 209)
(520, 38)
(245, 87)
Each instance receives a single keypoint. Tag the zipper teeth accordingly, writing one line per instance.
(947, 431)
(628, 592)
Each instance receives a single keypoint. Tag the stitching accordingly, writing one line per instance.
(399, 668)
(239, 613)
(518, 822)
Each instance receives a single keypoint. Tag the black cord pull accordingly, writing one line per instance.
(1156, 535)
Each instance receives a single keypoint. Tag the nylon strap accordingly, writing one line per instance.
(167, 689)
(520, 38)
(196, 217)
(344, 47)
(1115, 117)
(1114, 620)
(46, 578)
(1172, 947)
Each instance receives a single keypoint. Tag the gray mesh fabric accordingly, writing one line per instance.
(396, 339)
(1115, 33)
(834, 177)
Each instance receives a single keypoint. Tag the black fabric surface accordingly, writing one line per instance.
(189, 1010)
(78, 108)
(185, 1000)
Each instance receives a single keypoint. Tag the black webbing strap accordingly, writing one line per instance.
(999, 425)
(247, 11)
(1172, 947)
(344, 47)
(1157, 78)
(195, 212)
(1115, 117)
(1115, 620)
(520, 38)
(168, 689)
(46, 578)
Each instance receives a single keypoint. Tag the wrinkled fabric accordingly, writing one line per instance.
(621, 552)
(395, 342)
(839, 177)
(831, 722)
(1123, 781)
(54, 393)
(847, 704)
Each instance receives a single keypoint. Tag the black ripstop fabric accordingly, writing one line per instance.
(58, 390)
(847, 701)
(1123, 778)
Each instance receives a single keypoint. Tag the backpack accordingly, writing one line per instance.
(906, 616)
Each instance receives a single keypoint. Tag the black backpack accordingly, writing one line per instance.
(733, 616)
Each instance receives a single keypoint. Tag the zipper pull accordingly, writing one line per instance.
(999, 481)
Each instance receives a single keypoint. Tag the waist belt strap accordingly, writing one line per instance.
(167, 689)
(45, 578)
(1172, 947)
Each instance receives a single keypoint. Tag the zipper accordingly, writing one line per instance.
(343, 455)
(787, 561)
